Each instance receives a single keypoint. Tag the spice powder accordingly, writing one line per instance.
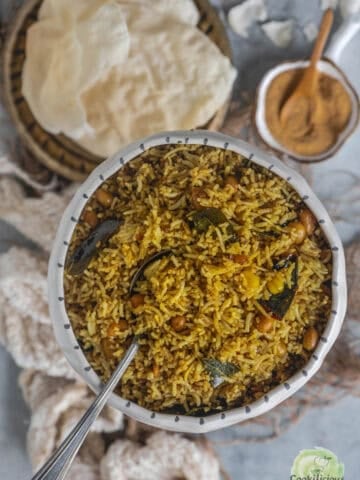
(308, 131)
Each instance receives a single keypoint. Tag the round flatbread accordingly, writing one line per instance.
(70, 48)
(105, 72)
(174, 78)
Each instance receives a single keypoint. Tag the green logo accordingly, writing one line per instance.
(317, 464)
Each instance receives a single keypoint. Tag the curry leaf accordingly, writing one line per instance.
(219, 369)
(269, 233)
(203, 219)
(278, 304)
(284, 262)
(82, 255)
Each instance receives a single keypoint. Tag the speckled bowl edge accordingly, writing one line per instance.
(65, 335)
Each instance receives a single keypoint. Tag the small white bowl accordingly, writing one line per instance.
(325, 66)
(62, 325)
(328, 65)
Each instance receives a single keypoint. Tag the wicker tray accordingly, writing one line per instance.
(57, 152)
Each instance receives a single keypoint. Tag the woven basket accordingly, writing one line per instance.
(57, 152)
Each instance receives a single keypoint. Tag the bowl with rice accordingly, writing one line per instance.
(219, 258)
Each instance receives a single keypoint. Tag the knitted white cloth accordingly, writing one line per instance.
(56, 405)
(165, 456)
(36, 218)
(55, 394)
(25, 327)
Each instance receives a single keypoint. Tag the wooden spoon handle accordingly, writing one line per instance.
(324, 31)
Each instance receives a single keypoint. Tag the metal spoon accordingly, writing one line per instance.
(59, 463)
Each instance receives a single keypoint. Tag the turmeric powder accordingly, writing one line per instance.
(311, 129)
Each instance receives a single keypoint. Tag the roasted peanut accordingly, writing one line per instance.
(90, 218)
(137, 300)
(297, 232)
(112, 329)
(265, 324)
(123, 325)
(310, 339)
(104, 197)
(238, 258)
(197, 193)
(178, 323)
(139, 235)
(155, 370)
(231, 180)
(308, 220)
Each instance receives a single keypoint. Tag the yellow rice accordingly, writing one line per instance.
(153, 194)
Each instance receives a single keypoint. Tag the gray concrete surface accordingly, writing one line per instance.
(14, 421)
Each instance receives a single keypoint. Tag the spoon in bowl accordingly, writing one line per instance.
(302, 100)
(60, 462)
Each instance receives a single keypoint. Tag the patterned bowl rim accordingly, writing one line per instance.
(62, 326)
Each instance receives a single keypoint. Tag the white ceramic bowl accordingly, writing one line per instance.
(66, 337)
(325, 66)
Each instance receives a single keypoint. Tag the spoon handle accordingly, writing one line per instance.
(310, 77)
(59, 463)
(325, 27)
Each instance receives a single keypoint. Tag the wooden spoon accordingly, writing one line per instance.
(302, 99)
